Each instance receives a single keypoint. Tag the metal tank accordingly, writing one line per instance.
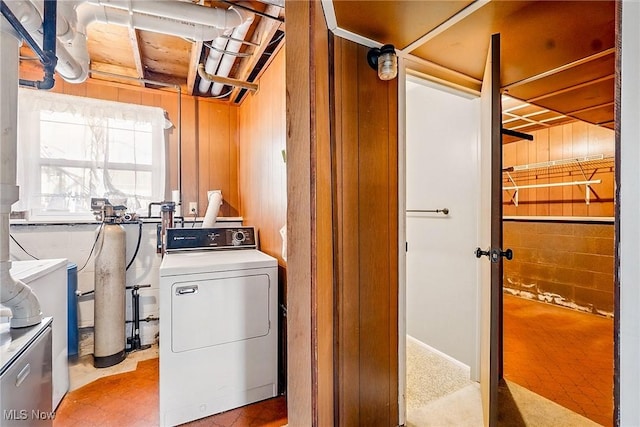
(110, 284)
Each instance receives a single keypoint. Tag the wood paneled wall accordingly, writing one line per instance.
(366, 164)
(310, 279)
(263, 173)
(572, 140)
(209, 138)
(342, 178)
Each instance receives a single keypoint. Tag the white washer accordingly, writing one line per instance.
(218, 325)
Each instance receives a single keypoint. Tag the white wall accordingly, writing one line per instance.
(629, 248)
(441, 171)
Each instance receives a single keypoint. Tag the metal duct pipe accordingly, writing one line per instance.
(14, 294)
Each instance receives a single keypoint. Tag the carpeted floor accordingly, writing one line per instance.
(431, 376)
(440, 394)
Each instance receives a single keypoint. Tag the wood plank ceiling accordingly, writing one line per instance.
(558, 57)
(138, 57)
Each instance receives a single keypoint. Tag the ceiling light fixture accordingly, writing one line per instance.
(384, 61)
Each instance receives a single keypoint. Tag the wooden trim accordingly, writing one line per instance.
(309, 214)
(347, 159)
(617, 179)
(496, 230)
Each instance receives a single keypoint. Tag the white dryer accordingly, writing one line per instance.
(218, 323)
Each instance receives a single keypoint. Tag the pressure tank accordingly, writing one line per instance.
(109, 310)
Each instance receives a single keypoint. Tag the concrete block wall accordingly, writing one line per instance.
(565, 263)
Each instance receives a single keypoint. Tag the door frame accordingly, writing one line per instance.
(402, 238)
(404, 71)
(496, 221)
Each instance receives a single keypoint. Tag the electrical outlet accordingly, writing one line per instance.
(193, 208)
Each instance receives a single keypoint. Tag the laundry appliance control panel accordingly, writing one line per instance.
(184, 239)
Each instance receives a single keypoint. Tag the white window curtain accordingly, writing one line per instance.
(73, 148)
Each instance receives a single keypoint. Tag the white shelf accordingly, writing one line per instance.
(576, 166)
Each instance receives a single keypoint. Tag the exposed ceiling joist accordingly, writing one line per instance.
(194, 60)
(263, 34)
(135, 49)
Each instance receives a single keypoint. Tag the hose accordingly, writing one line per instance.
(137, 245)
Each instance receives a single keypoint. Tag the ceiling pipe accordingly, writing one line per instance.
(14, 294)
(65, 20)
(181, 19)
(70, 47)
(27, 21)
(177, 10)
(176, 26)
(225, 80)
(219, 46)
(228, 57)
(213, 60)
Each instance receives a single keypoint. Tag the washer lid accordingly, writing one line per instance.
(30, 270)
(179, 263)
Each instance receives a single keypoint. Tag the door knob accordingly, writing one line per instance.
(494, 254)
(480, 253)
(508, 254)
(497, 253)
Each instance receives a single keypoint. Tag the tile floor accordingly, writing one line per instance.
(130, 399)
(561, 354)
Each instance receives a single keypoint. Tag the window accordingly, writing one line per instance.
(71, 149)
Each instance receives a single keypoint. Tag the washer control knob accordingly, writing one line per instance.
(238, 237)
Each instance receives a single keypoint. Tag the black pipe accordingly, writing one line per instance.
(153, 204)
(137, 246)
(517, 134)
(134, 340)
(135, 332)
(49, 43)
(257, 12)
(47, 55)
(146, 319)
